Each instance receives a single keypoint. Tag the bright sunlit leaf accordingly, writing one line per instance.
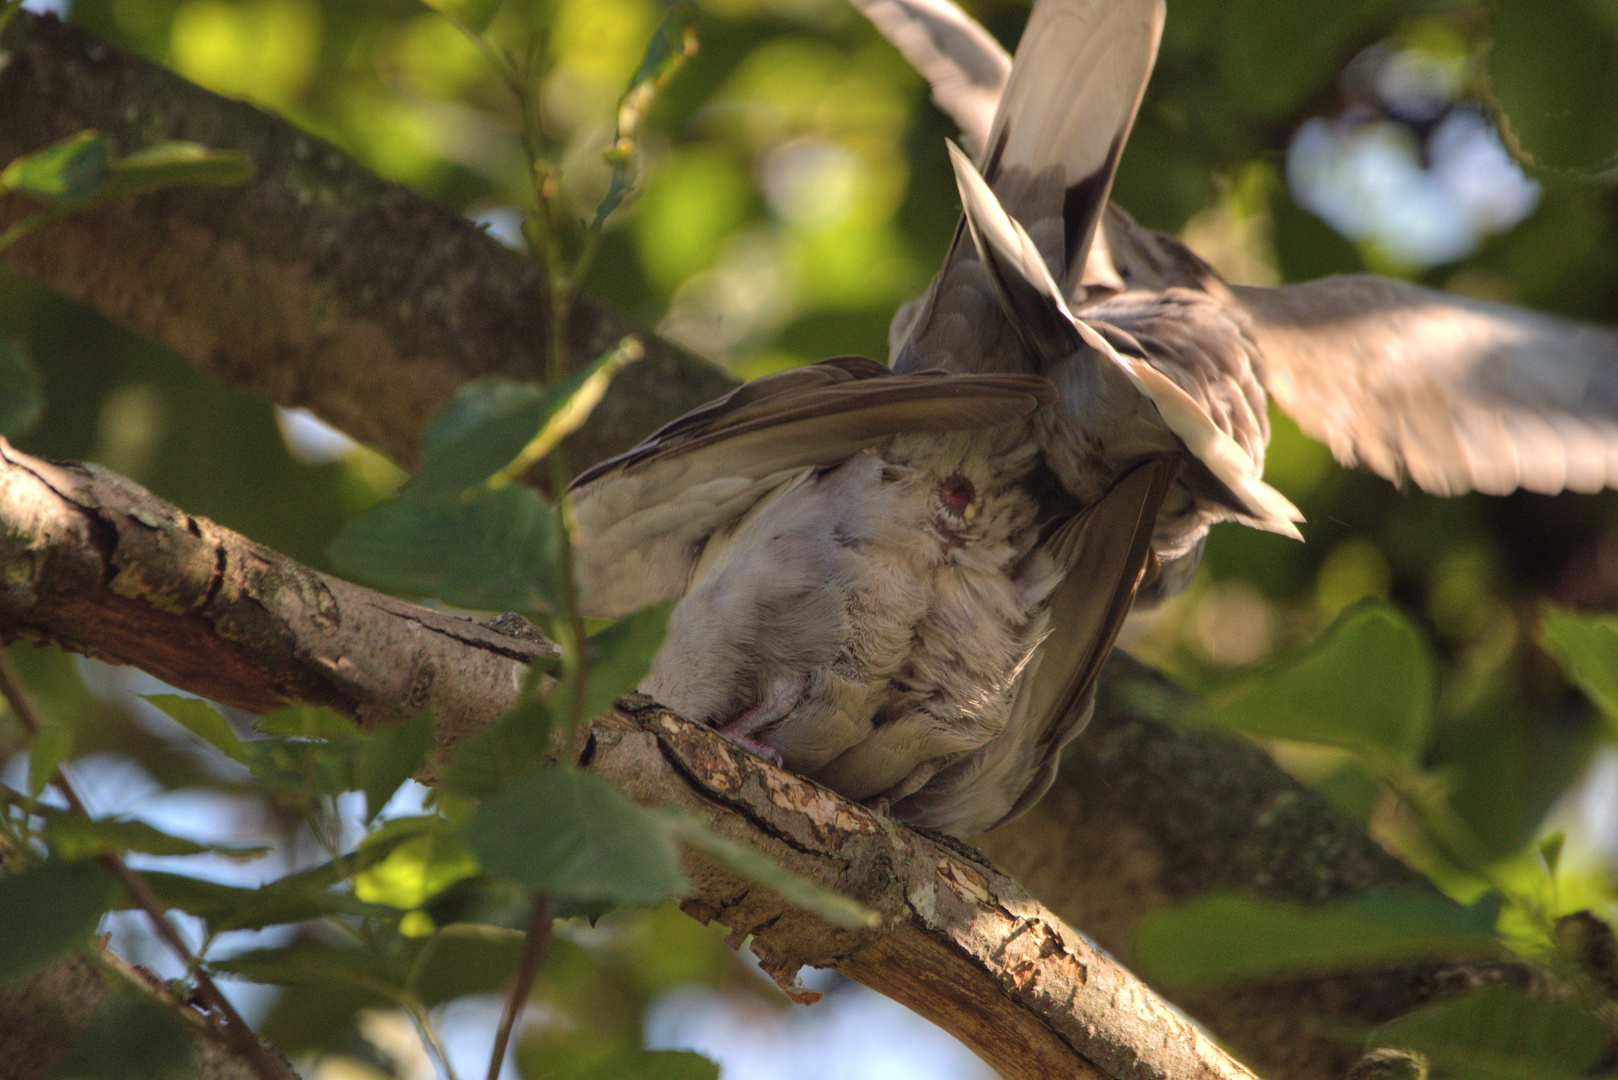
(416, 870)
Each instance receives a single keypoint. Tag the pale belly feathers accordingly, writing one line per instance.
(868, 622)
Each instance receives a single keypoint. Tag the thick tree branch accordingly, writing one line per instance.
(97, 565)
(316, 283)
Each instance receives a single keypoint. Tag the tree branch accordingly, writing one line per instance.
(316, 283)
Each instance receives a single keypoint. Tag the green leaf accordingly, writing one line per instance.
(308, 722)
(1226, 937)
(478, 431)
(52, 746)
(317, 1018)
(65, 172)
(791, 886)
(172, 164)
(416, 870)
(569, 403)
(72, 835)
(474, 15)
(202, 720)
(392, 756)
(48, 910)
(513, 746)
(1587, 648)
(567, 833)
(236, 908)
(462, 960)
(491, 901)
(318, 965)
(1499, 1033)
(21, 400)
(309, 768)
(1367, 685)
(130, 1037)
(81, 170)
(495, 550)
(620, 655)
(673, 41)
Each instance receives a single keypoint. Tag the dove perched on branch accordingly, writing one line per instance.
(902, 583)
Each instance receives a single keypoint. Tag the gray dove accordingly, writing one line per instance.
(884, 584)
(902, 583)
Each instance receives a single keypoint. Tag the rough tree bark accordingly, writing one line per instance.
(322, 286)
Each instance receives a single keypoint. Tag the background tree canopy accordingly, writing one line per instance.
(790, 190)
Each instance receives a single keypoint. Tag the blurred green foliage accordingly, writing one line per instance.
(794, 191)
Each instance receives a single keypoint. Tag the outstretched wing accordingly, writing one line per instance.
(1455, 394)
(641, 519)
(1102, 555)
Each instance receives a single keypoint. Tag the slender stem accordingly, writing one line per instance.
(429, 1036)
(572, 634)
(237, 1036)
(539, 936)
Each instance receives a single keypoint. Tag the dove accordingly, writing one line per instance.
(883, 584)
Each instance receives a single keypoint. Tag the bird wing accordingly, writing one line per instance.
(1035, 305)
(640, 520)
(962, 62)
(1074, 89)
(1101, 555)
(1453, 393)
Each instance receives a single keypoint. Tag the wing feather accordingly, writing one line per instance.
(1450, 393)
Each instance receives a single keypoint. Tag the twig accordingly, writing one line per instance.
(539, 936)
(237, 1035)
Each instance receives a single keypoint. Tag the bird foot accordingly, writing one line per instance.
(771, 707)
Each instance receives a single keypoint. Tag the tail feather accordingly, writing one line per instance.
(1035, 304)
